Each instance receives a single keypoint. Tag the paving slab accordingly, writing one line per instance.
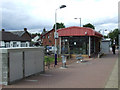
(113, 79)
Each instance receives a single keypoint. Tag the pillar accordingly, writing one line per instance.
(89, 46)
(59, 45)
(94, 46)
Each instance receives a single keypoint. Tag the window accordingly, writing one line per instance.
(7, 44)
(18, 44)
(14, 44)
(2, 44)
(27, 44)
(23, 44)
(43, 37)
(77, 44)
(48, 37)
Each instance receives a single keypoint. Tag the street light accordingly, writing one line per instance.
(62, 6)
(56, 35)
(80, 20)
(103, 32)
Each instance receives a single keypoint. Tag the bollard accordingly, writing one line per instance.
(63, 61)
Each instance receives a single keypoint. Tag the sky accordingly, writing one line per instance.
(38, 14)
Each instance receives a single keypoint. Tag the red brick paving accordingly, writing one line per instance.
(92, 74)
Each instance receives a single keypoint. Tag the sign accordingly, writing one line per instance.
(55, 35)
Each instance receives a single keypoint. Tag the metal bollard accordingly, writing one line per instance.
(63, 61)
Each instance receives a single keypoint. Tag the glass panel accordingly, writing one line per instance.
(77, 45)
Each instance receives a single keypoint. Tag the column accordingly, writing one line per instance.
(94, 46)
(59, 45)
(89, 46)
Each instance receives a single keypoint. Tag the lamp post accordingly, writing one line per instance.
(80, 20)
(56, 34)
(103, 32)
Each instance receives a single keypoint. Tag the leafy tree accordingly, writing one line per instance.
(105, 36)
(89, 25)
(36, 34)
(59, 25)
(114, 35)
(44, 31)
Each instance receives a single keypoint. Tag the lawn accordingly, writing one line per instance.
(50, 59)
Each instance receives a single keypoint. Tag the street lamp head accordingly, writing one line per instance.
(75, 18)
(62, 6)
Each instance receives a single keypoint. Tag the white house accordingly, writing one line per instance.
(35, 39)
(11, 39)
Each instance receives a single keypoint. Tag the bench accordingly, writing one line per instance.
(79, 58)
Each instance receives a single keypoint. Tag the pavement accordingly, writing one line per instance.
(113, 79)
(94, 73)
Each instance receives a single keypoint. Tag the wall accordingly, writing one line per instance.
(18, 63)
(48, 39)
(97, 45)
(0, 70)
(105, 47)
(3, 66)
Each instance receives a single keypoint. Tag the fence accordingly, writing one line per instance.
(18, 63)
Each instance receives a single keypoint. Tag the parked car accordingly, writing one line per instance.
(51, 49)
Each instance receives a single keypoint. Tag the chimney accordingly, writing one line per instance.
(3, 30)
(25, 29)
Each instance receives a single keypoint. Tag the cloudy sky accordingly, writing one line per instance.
(38, 14)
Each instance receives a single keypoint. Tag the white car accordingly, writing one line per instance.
(51, 49)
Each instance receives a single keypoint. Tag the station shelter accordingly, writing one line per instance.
(79, 40)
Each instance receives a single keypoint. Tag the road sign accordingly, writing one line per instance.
(55, 35)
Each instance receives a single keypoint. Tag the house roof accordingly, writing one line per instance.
(8, 36)
(78, 31)
(19, 33)
(33, 36)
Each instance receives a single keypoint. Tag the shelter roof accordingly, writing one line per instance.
(78, 31)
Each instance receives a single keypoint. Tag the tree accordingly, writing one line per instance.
(89, 25)
(114, 36)
(44, 31)
(59, 25)
(34, 34)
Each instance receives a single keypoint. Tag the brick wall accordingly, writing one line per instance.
(48, 39)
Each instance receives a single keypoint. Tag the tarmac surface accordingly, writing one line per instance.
(94, 73)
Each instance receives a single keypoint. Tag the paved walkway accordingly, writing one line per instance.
(113, 79)
(92, 74)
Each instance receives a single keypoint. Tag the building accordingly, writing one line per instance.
(74, 40)
(35, 38)
(79, 40)
(23, 34)
(15, 39)
(47, 39)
